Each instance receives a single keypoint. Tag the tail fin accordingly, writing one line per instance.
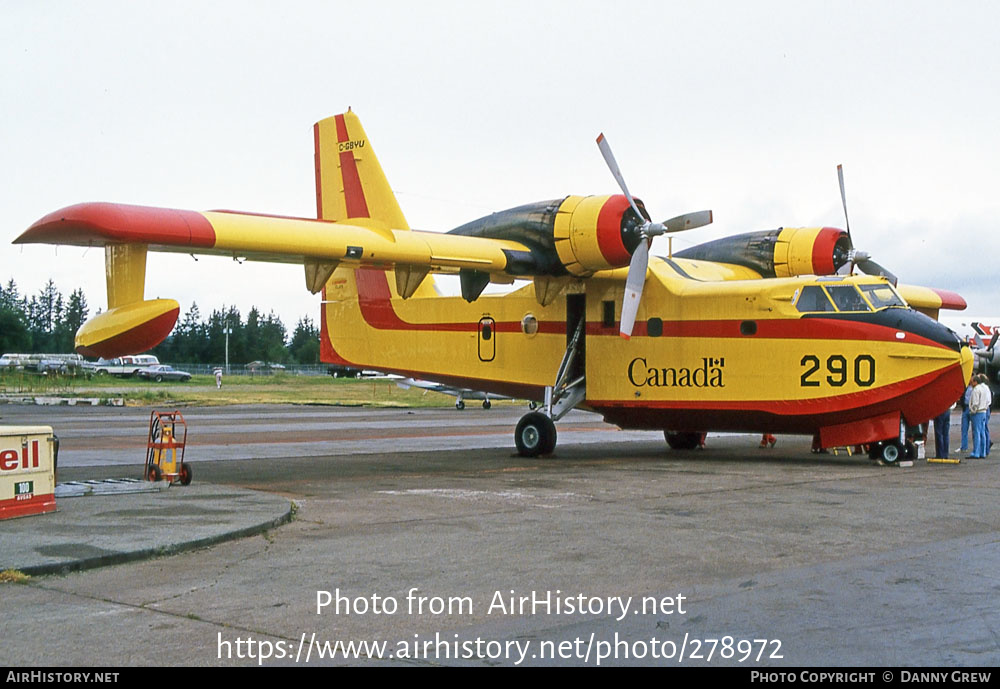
(350, 183)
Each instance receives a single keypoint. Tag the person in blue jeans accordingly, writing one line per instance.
(979, 405)
(966, 416)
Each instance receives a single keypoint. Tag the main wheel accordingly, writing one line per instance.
(185, 474)
(460, 405)
(535, 435)
(487, 404)
(682, 441)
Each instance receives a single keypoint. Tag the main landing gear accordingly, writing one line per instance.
(535, 435)
(536, 431)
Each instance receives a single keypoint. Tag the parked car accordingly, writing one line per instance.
(123, 366)
(161, 373)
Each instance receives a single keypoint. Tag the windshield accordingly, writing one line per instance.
(847, 298)
(882, 295)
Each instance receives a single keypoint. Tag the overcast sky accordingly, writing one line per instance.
(742, 107)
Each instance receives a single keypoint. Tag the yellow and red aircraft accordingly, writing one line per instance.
(766, 331)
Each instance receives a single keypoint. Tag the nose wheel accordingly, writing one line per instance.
(535, 435)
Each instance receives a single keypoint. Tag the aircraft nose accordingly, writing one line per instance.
(916, 323)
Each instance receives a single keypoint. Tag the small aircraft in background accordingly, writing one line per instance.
(760, 332)
(461, 394)
(981, 334)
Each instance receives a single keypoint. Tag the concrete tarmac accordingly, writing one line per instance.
(422, 535)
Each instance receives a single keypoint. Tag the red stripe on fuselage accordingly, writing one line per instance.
(779, 328)
(375, 301)
(376, 308)
(354, 193)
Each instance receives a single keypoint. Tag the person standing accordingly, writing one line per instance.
(218, 378)
(989, 407)
(979, 404)
(942, 431)
(966, 416)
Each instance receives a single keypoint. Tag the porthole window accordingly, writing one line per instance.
(654, 327)
(529, 325)
(748, 328)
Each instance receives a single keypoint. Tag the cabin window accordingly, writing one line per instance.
(608, 314)
(654, 327)
(813, 298)
(847, 298)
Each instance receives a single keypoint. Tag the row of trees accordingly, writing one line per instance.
(47, 322)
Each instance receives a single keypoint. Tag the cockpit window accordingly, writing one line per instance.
(813, 298)
(847, 298)
(882, 295)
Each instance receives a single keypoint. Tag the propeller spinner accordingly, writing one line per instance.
(639, 263)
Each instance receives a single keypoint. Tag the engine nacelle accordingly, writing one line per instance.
(784, 252)
(128, 329)
(596, 233)
(578, 234)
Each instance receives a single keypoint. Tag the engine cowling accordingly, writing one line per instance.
(784, 252)
(578, 234)
(596, 233)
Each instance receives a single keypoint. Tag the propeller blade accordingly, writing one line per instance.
(993, 340)
(688, 221)
(870, 267)
(843, 199)
(609, 158)
(634, 283)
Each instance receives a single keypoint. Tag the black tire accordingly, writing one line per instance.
(535, 435)
(682, 441)
(891, 452)
(159, 379)
(487, 404)
(185, 474)
(460, 405)
(153, 473)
